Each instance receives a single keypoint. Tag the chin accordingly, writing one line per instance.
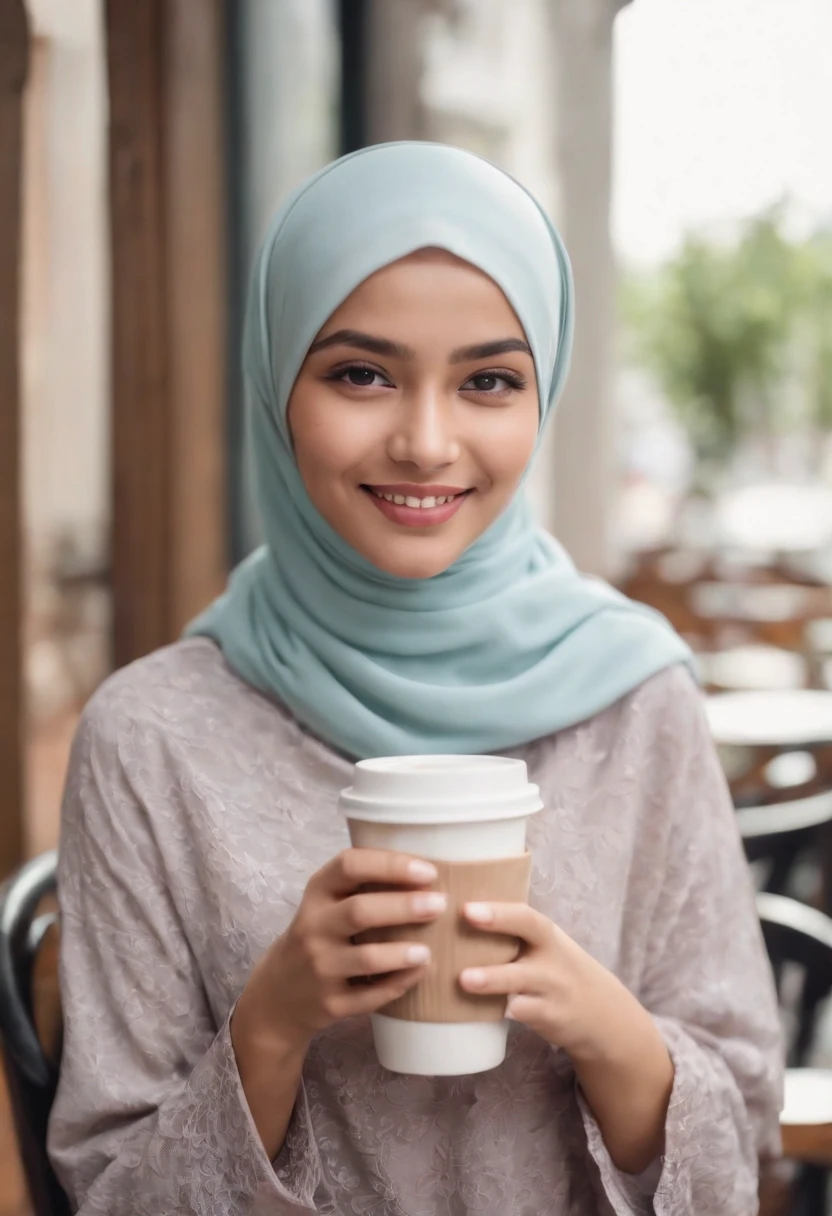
(413, 565)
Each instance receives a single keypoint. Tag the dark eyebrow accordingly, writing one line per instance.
(395, 350)
(353, 337)
(486, 350)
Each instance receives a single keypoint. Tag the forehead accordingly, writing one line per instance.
(435, 288)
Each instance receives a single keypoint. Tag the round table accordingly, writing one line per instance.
(760, 603)
(784, 517)
(786, 720)
(776, 614)
(806, 1118)
(752, 668)
(758, 731)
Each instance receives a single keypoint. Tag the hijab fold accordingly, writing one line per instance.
(509, 644)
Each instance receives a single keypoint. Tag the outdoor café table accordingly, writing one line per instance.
(752, 668)
(775, 613)
(806, 1120)
(786, 519)
(753, 728)
(785, 720)
(806, 1126)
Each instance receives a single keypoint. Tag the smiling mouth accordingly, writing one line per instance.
(417, 511)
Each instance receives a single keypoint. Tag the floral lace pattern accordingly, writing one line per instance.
(194, 813)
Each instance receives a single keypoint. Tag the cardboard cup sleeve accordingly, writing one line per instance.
(454, 944)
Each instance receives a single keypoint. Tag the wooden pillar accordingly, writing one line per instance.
(14, 42)
(168, 232)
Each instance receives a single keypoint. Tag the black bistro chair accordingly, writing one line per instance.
(782, 834)
(799, 938)
(31, 1071)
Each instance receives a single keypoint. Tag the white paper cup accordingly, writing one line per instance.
(447, 808)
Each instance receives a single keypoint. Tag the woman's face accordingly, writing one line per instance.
(415, 413)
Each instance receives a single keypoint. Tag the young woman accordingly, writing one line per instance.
(408, 332)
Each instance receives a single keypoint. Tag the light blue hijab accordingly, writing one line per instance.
(510, 643)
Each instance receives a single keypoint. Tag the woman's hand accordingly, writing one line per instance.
(315, 975)
(571, 1000)
(554, 986)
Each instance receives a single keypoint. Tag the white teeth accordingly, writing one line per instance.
(426, 504)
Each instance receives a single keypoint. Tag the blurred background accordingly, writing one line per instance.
(682, 149)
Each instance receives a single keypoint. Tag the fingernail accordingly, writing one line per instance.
(430, 901)
(473, 977)
(418, 954)
(480, 912)
(423, 871)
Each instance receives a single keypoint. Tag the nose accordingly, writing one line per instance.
(424, 432)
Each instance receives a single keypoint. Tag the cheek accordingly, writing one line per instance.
(319, 457)
(325, 438)
(510, 448)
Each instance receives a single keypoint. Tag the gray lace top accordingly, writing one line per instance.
(195, 811)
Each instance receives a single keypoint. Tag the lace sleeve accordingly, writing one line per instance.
(708, 984)
(150, 1115)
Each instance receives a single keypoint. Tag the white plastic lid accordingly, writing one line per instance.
(440, 789)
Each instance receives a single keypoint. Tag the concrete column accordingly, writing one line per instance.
(584, 472)
(395, 67)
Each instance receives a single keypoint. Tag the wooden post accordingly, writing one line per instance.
(168, 237)
(14, 45)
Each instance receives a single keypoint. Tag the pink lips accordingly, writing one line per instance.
(418, 517)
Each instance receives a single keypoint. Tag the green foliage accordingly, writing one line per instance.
(721, 326)
(816, 268)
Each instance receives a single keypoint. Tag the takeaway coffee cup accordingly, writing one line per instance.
(468, 815)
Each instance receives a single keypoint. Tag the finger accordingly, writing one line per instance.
(513, 919)
(530, 1010)
(505, 979)
(361, 1000)
(380, 909)
(379, 958)
(355, 867)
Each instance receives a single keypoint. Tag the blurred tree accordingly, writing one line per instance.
(816, 266)
(714, 326)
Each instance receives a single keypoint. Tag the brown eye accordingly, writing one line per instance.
(495, 384)
(361, 377)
